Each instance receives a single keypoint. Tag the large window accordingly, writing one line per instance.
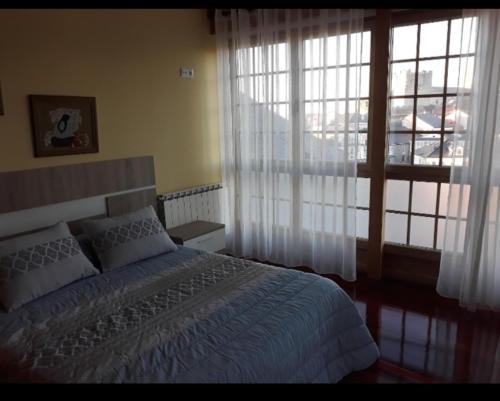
(266, 80)
(423, 93)
(425, 127)
(340, 108)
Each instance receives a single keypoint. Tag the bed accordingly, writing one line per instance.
(188, 317)
(183, 316)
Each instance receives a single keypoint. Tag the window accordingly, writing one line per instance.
(267, 86)
(272, 100)
(425, 127)
(340, 105)
(424, 115)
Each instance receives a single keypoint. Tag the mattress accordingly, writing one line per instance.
(188, 317)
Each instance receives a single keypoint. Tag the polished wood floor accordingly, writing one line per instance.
(423, 337)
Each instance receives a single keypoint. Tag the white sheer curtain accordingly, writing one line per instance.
(289, 86)
(470, 261)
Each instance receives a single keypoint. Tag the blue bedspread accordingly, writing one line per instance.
(188, 316)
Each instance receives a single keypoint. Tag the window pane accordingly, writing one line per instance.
(401, 115)
(427, 149)
(361, 118)
(459, 200)
(366, 47)
(424, 196)
(356, 55)
(433, 38)
(362, 148)
(337, 50)
(359, 81)
(453, 149)
(362, 223)
(463, 35)
(397, 195)
(460, 74)
(429, 113)
(363, 192)
(403, 78)
(431, 76)
(395, 228)
(422, 231)
(404, 42)
(451, 236)
(399, 149)
(280, 87)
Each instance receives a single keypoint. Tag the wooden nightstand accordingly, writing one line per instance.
(203, 235)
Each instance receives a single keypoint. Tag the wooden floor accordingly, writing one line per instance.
(423, 337)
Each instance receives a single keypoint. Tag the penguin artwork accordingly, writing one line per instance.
(65, 129)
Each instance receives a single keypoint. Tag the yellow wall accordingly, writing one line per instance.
(129, 60)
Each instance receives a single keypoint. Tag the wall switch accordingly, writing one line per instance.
(187, 73)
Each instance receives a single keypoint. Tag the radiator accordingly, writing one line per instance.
(200, 203)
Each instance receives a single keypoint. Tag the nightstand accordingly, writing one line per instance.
(203, 235)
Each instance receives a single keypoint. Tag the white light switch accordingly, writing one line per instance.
(187, 73)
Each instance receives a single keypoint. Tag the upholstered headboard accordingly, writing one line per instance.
(34, 199)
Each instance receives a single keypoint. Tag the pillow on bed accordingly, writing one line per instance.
(35, 264)
(125, 239)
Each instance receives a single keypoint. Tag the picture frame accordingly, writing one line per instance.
(63, 125)
(2, 111)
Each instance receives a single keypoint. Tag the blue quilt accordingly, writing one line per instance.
(188, 316)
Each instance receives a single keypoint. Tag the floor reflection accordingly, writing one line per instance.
(423, 337)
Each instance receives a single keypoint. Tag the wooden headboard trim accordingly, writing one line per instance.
(28, 189)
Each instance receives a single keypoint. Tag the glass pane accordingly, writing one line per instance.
(336, 83)
(356, 48)
(280, 57)
(397, 195)
(431, 77)
(459, 200)
(312, 50)
(362, 148)
(337, 50)
(399, 149)
(433, 37)
(427, 149)
(366, 47)
(403, 78)
(280, 87)
(463, 35)
(422, 231)
(401, 115)
(313, 81)
(395, 228)
(360, 119)
(453, 149)
(336, 116)
(451, 234)
(404, 42)
(429, 113)
(313, 116)
(460, 74)
(363, 192)
(362, 223)
(361, 88)
(424, 196)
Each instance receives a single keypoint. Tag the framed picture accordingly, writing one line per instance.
(1, 102)
(63, 125)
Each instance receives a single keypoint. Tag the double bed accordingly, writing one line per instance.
(188, 316)
(182, 316)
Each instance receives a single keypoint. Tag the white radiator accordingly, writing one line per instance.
(200, 203)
